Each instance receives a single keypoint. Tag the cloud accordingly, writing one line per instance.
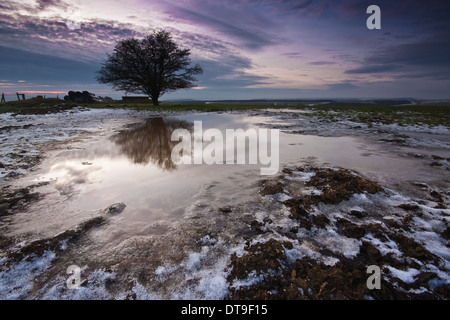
(45, 4)
(342, 86)
(377, 68)
(284, 6)
(406, 10)
(321, 63)
(20, 65)
(292, 55)
(428, 52)
(54, 37)
(244, 28)
(232, 39)
(424, 58)
(229, 73)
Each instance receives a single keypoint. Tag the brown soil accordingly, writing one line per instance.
(446, 233)
(335, 186)
(409, 207)
(271, 188)
(18, 199)
(306, 278)
(350, 229)
(38, 247)
(339, 185)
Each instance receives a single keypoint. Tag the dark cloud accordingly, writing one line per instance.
(248, 35)
(342, 86)
(292, 55)
(425, 58)
(285, 6)
(430, 52)
(378, 68)
(45, 4)
(405, 10)
(321, 63)
(89, 42)
(229, 73)
(225, 68)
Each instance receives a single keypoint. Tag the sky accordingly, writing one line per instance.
(251, 49)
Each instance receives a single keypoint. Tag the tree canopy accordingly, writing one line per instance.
(152, 66)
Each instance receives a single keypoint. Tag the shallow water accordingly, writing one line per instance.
(173, 211)
(134, 167)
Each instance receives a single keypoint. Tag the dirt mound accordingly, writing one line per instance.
(271, 269)
(339, 185)
(309, 279)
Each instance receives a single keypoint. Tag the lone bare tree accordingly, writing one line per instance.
(152, 66)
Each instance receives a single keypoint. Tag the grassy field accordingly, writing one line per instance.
(403, 115)
(40, 105)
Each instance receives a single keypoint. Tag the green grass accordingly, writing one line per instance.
(36, 104)
(19, 106)
(402, 115)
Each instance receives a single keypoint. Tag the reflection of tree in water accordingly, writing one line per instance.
(152, 142)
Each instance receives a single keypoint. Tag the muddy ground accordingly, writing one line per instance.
(307, 278)
(311, 232)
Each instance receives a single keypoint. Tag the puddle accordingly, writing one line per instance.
(134, 167)
(179, 219)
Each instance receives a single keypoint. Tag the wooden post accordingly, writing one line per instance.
(18, 96)
(3, 97)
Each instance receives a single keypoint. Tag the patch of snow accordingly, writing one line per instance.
(406, 276)
(301, 176)
(139, 292)
(260, 216)
(331, 240)
(311, 192)
(384, 247)
(194, 261)
(252, 279)
(94, 289)
(17, 282)
(208, 241)
(281, 197)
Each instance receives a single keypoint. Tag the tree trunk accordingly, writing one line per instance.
(155, 101)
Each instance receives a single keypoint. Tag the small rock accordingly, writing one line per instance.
(357, 213)
(435, 157)
(115, 208)
(446, 234)
(435, 164)
(409, 206)
(225, 209)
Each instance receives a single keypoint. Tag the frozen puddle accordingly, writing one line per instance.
(166, 230)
